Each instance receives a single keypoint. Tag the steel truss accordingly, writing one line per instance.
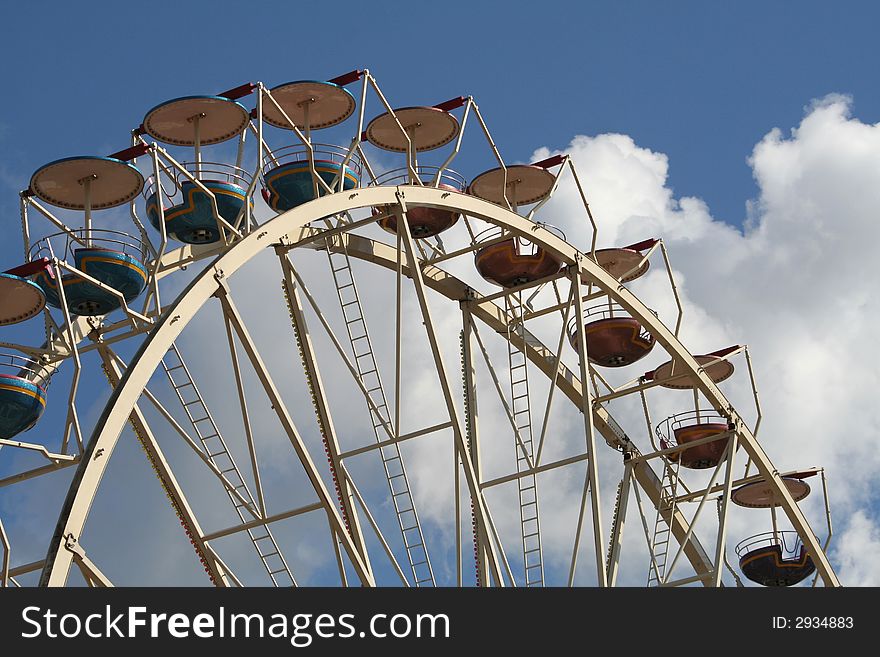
(348, 518)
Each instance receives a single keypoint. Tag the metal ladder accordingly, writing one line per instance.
(217, 452)
(520, 408)
(368, 371)
(662, 531)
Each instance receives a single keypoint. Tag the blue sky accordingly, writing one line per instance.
(699, 83)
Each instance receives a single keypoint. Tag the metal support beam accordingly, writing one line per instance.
(473, 481)
(693, 524)
(259, 522)
(17, 571)
(231, 314)
(697, 494)
(472, 427)
(589, 430)
(395, 441)
(163, 471)
(618, 524)
(92, 574)
(7, 556)
(246, 423)
(322, 409)
(570, 460)
(36, 472)
(722, 515)
(374, 525)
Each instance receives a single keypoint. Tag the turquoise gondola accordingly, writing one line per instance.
(290, 184)
(197, 121)
(192, 221)
(308, 105)
(122, 269)
(22, 402)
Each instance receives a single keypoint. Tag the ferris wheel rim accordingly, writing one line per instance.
(115, 414)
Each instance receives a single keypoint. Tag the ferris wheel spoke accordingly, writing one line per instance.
(530, 530)
(653, 565)
(90, 572)
(371, 404)
(322, 409)
(523, 453)
(368, 372)
(246, 421)
(374, 525)
(473, 483)
(590, 435)
(213, 445)
(225, 571)
(215, 452)
(232, 316)
(472, 434)
(259, 532)
(618, 521)
(550, 392)
(521, 414)
(7, 556)
(456, 486)
(337, 552)
(721, 540)
(494, 542)
(575, 550)
(163, 471)
(364, 366)
(232, 490)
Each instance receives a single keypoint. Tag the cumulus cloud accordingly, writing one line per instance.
(856, 551)
(795, 284)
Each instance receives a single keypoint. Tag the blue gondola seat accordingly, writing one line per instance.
(192, 220)
(22, 402)
(290, 184)
(287, 178)
(124, 273)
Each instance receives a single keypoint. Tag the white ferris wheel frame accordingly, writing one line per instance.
(287, 231)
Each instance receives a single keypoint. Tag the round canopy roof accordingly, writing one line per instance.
(220, 119)
(112, 182)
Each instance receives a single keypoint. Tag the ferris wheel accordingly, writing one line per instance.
(353, 352)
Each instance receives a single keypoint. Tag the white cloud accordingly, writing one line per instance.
(797, 285)
(856, 551)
